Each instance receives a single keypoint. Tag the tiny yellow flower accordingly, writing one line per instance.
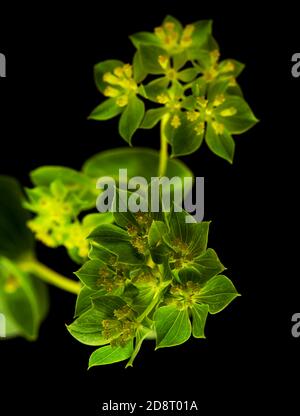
(199, 128)
(228, 112)
(218, 127)
(215, 55)
(159, 32)
(111, 92)
(118, 71)
(162, 99)
(163, 61)
(192, 115)
(210, 74)
(175, 122)
(169, 26)
(186, 38)
(127, 69)
(229, 67)
(111, 79)
(122, 101)
(219, 99)
(232, 82)
(202, 101)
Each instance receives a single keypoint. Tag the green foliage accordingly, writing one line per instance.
(147, 278)
(195, 91)
(23, 299)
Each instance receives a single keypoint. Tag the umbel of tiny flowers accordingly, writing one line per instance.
(196, 95)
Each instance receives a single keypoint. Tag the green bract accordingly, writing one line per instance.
(196, 94)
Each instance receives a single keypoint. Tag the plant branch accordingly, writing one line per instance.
(50, 276)
(163, 156)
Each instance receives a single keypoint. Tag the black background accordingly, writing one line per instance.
(249, 354)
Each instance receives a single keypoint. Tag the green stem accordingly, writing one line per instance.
(50, 276)
(149, 307)
(163, 156)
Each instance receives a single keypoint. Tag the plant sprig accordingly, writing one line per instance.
(142, 275)
(195, 93)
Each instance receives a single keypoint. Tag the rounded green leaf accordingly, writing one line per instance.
(172, 326)
(184, 139)
(220, 144)
(138, 162)
(217, 293)
(199, 315)
(156, 87)
(150, 58)
(152, 117)
(241, 120)
(87, 329)
(101, 68)
(131, 118)
(144, 38)
(110, 355)
(203, 29)
(106, 110)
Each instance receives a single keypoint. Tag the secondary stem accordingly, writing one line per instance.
(50, 276)
(163, 156)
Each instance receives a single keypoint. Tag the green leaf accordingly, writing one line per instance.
(144, 38)
(116, 240)
(171, 19)
(188, 75)
(158, 242)
(156, 87)
(46, 175)
(172, 325)
(106, 305)
(90, 273)
(152, 117)
(106, 110)
(149, 58)
(238, 67)
(138, 162)
(217, 293)
(184, 139)
(193, 235)
(131, 118)
(139, 73)
(23, 300)
(101, 68)
(220, 144)
(83, 301)
(199, 314)
(241, 121)
(110, 355)
(203, 29)
(87, 329)
(208, 265)
(15, 238)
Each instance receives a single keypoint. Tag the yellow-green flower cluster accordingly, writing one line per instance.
(120, 84)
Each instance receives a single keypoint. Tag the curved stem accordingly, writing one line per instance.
(50, 276)
(163, 156)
